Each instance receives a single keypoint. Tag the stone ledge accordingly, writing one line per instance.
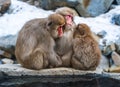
(15, 70)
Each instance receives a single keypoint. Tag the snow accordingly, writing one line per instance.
(20, 12)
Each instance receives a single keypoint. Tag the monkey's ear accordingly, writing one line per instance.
(49, 23)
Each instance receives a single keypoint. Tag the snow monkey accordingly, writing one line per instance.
(64, 44)
(35, 42)
(86, 52)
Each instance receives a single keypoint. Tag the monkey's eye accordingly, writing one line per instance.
(50, 23)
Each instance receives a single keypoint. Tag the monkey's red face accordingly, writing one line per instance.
(69, 19)
(60, 31)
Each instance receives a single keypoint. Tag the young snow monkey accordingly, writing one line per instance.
(86, 54)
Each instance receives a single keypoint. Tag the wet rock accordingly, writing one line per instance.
(93, 8)
(116, 19)
(7, 43)
(116, 58)
(7, 61)
(4, 5)
(102, 34)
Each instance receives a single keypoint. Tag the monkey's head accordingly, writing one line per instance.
(54, 25)
(67, 13)
(82, 30)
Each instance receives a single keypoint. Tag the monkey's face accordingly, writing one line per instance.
(69, 19)
(67, 13)
(55, 24)
(82, 30)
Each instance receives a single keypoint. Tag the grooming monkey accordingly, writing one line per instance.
(35, 43)
(64, 44)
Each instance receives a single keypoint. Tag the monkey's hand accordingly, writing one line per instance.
(55, 60)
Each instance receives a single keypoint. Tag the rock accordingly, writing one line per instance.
(53, 4)
(107, 50)
(14, 74)
(31, 2)
(5, 54)
(4, 5)
(116, 58)
(7, 43)
(96, 37)
(37, 3)
(116, 19)
(7, 61)
(112, 46)
(102, 34)
(117, 45)
(85, 8)
(92, 8)
(115, 69)
(17, 70)
(118, 2)
(1, 53)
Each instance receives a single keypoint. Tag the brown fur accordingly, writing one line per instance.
(86, 50)
(35, 43)
(64, 44)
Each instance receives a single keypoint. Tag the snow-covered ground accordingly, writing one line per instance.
(20, 12)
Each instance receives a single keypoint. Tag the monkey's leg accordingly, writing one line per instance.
(37, 60)
(54, 60)
(77, 64)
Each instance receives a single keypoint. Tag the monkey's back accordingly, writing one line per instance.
(32, 38)
(86, 52)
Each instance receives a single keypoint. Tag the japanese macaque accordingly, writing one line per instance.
(86, 55)
(35, 43)
(64, 44)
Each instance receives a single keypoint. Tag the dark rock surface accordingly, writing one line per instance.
(116, 19)
(4, 5)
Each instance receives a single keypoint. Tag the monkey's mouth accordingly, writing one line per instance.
(60, 31)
